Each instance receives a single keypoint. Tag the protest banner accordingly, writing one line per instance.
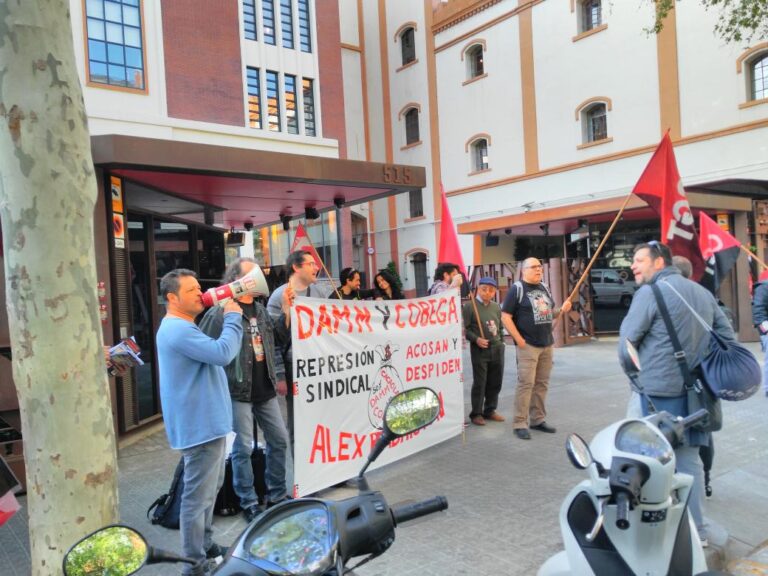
(349, 358)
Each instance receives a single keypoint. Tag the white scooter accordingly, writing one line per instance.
(631, 517)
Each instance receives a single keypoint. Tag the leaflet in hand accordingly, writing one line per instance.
(124, 355)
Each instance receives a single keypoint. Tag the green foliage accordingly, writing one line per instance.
(114, 551)
(740, 20)
(392, 269)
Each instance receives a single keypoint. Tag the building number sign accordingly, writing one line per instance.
(397, 174)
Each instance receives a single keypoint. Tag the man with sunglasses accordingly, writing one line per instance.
(350, 287)
(527, 314)
(660, 378)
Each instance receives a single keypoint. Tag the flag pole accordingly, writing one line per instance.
(596, 254)
(473, 295)
(338, 295)
(753, 255)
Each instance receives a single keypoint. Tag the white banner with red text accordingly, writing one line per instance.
(349, 358)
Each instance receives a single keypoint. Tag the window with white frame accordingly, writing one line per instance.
(249, 19)
(308, 92)
(758, 77)
(415, 203)
(273, 101)
(286, 20)
(305, 36)
(474, 59)
(594, 121)
(479, 152)
(408, 45)
(412, 126)
(268, 21)
(254, 98)
(591, 14)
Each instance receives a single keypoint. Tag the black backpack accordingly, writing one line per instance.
(168, 506)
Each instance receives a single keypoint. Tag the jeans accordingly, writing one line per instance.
(534, 366)
(270, 420)
(764, 345)
(203, 476)
(689, 462)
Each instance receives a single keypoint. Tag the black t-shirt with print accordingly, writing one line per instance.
(262, 388)
(533, 314)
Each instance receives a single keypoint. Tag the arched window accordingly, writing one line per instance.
(408, 45)
(420, 278)
(474, 58)
(479, 151)
(591, 14)
(412, 126)
(594, 123)
(758, 70)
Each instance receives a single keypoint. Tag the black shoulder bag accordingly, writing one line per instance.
(699, 395)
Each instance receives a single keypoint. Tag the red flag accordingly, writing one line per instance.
(720, 250)
(661, 188)
(302, 242)
(449, 250)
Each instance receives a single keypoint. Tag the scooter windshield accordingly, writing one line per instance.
(640, 438)
(299, 542)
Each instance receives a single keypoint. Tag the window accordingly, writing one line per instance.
(412, 126)
(273, 102)
(416, 204)
(291, 118)
(591, 14)
(595, 123)
(408, 46)
(308, 93)
(249, 19)
(254, 98)
(474, 57)
(480, 155)
(305, 38)
(759, 80)
(268, 20)
(115, 50)
(421, 279)
(286, 18)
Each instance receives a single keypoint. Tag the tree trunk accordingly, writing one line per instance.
(47, 197)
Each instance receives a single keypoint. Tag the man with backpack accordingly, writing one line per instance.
(527, 314)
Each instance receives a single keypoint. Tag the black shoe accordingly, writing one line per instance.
(522, 433)
(216, 550)
(544, 427)
(251, 512)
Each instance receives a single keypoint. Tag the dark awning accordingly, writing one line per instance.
(250, 185)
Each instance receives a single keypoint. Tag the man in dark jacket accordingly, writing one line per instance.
(660, 378)
(255, 377)
(760, 319)
(482, 326)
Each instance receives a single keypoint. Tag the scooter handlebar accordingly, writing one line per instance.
(695, 418)
(408, 512)
(622, 511)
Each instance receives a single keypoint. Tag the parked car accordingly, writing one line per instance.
(609, 287)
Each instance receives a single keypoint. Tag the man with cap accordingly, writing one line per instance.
(482, 324)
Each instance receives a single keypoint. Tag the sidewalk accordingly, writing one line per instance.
(504, 493)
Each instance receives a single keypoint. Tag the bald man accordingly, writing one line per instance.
(528, 317)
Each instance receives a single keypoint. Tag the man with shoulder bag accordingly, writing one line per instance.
(670, 379)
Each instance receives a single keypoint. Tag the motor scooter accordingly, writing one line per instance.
(308, 536)
(631, 516)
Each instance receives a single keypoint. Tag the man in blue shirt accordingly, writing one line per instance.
(196, 405)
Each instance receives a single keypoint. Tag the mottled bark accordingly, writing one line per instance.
(47, 197)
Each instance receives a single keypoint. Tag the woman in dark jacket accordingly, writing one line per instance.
(385, 287)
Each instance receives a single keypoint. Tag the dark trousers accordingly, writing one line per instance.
(487, 375)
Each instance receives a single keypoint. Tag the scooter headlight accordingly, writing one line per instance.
(300, 540)
(637, 437)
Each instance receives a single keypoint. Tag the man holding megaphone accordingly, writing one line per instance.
(255, 377)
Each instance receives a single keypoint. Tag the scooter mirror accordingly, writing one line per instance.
(410, 411)
(578, 451)
(113, 550)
